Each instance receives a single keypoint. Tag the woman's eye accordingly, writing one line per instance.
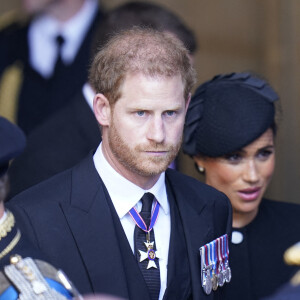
(265, 153)
(233, 157)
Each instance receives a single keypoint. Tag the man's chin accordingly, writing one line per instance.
(153, 169)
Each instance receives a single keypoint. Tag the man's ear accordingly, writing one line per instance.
(102, 110)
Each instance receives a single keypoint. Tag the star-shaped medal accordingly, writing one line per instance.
(151, 254)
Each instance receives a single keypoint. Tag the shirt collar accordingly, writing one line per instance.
(75, 29)
(88, 94)
(44, 29)
(123, 193)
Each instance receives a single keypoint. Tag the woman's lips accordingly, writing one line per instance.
(249, 194)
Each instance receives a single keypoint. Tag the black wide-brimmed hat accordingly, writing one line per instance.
(12, 143)
(227, 113)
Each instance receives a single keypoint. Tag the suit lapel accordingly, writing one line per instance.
(179, 279)
(90, 221)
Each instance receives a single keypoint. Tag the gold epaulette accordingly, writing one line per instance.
(10, 84)
(5, 228)
(7, 224)
(12, 77)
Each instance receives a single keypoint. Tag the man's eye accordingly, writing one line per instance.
(170, 113)
(140, 113)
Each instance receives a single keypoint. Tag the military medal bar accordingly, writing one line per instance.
(215, 270)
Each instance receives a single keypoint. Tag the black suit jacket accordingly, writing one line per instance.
(58, 144)
(68, 218)
(40, 97)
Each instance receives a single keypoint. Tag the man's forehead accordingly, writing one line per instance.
(147, 93)
(140, 82)
(147, 78)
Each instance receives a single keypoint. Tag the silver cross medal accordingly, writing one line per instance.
(151, 254)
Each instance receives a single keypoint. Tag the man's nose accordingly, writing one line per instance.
(156, 130)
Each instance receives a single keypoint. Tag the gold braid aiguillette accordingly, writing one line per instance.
(7, 225)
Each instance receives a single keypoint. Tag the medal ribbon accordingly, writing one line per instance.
(210, 257)
(206, 253)
(202, 251)
(214, 257)
(225, 246)
(212, 253)
(219, 249)
(139, 220)
(219, 255)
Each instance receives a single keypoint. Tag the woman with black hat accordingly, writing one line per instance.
(229, 132)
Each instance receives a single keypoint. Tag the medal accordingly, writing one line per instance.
(226, 254)
(151, 254)
(221, 278)
(203, 266)
(205, 270)
(208, 268)
(208, 283)
(213, 263)
(215, 270)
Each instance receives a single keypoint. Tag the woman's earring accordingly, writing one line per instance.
(201, 169)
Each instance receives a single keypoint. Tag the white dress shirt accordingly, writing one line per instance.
(125, 195)
(88, 94)
(42, 35)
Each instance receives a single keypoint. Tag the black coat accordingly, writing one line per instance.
(58, 144)
(257, 263)
(68, 218)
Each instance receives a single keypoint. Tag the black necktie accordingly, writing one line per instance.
(151, 275)
(59, 62)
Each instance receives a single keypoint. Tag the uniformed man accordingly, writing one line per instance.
(21, 276)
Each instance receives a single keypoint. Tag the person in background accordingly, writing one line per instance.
(23, 273)
(121, 222)
(44, 61)
(70, 134)
(230, 133)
